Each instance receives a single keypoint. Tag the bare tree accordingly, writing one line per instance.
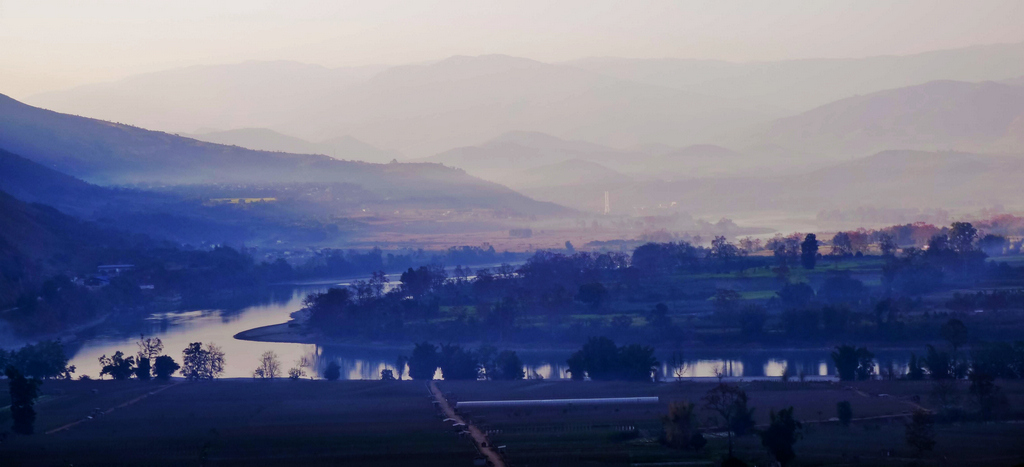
(730, 403)
(677, 365)
(270, 366)
(149, 347)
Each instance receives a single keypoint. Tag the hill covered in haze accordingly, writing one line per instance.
(263, 139)
(426, 108)
(939, 115)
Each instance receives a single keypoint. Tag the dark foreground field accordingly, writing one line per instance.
(244, 422)
(584, 435)
(237, 422)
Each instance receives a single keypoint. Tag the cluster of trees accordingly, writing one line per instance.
(552, 286)
(601, 360)
(270, 368)
(25, 369)
(199, 362)
(337, 263)
(43, 360)
(730, 406)
(459, 363)
(56, 302)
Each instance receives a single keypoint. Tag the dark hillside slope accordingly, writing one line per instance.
(109, 153)
(37, 241)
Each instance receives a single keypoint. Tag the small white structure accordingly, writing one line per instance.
(558, 402)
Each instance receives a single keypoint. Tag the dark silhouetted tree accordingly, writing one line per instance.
(940, 364)
(164, 367)
(424, 361)
(458, 363)
(853, 362)
(887, 244)
(730, 403)
(920, 432)
(809, 251)
(23, 392)
(961, 237)
(269, 367)
(333, 371)
(681, 428)
(508, 366)
(780, 436)
(955, 332)
(844, 411)
(592, 294)
(842, 245)
(914, 370)
(143, 370)
(117, 366)
(202, 363)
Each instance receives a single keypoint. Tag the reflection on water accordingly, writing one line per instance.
(274, 305)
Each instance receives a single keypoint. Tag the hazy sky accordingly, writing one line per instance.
(53, 44)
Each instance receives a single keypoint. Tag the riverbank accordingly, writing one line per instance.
(294, 332)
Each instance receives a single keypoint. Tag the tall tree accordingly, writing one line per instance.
(853, 363)
(508, 366)
(270, 366)
(920, 433)
(202, 363)
(887, 244)
(149, 347)
(117, 366)
(333, 371)
(961, 237)
(730, 403)
(809, 251)
(424, 361)
(780, 436)
(24, 392)
(164, 367)
(681, 428)
(955, 332)
(841, 244)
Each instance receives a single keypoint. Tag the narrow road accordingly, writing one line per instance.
(479, 438)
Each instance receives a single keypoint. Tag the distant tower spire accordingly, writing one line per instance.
(607, 204)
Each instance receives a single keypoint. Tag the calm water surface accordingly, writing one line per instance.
(219, 325)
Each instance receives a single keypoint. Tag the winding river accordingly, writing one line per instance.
(219, 325)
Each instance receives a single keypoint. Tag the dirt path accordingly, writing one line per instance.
(123, 405)
(479, 438)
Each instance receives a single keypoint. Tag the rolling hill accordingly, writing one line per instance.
(417, 109)
(263, 139)
(794, 86)
(242, 95)
(939, 115)
(108, 153)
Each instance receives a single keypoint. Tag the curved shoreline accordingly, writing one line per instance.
(292, 332)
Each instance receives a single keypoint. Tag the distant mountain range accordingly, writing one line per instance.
(793, 86)
(517, 158)
(263, 139)
(939, 115)
(423, 109)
